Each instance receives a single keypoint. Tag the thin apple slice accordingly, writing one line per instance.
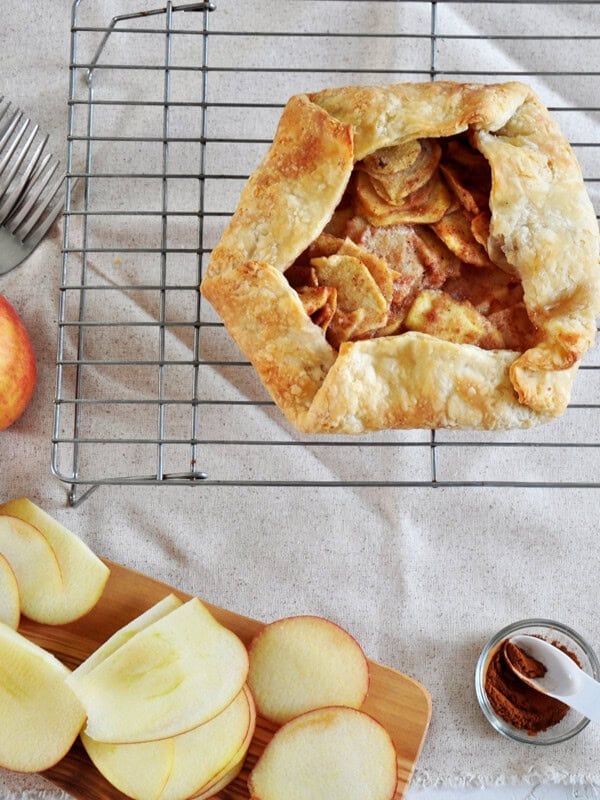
(305, 662)
(208, 750)
(10, 602)
(58, 587)
(41, 717)
(223, 781)
(140, 770)
(170, 677)
(127, 632)
(327, 754)
(231, 770)
(194, 759)
(33, 562)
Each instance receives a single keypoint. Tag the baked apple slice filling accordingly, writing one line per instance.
(407, 250)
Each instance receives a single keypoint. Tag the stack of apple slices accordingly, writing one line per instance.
(164, 701)
(41, 717)
(169, 702)
(169, 715)
(48, 574)
(312, 677)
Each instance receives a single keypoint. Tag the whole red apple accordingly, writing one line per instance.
(17, 365)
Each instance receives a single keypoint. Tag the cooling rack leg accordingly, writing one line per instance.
(74, 500)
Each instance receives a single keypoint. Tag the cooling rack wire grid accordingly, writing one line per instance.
(170, 110)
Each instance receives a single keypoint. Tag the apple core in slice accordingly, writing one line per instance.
(301, 663)
(170, 677)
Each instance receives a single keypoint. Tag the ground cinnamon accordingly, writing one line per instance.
(512, 699)
(525, 664)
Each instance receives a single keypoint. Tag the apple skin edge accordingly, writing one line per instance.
(18, 372)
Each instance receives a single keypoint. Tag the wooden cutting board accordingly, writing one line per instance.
(401, 704)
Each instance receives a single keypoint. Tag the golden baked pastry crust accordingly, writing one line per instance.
(542, 227)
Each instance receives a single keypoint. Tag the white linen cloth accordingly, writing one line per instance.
(421, 577)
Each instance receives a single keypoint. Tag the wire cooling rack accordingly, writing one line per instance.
(170, 109)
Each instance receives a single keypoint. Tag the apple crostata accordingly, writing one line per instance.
(413, 256)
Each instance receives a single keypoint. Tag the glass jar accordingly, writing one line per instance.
(555, 632)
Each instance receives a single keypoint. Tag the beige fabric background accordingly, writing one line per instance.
(421, 577)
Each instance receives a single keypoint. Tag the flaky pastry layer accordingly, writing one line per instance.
(542, 224)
